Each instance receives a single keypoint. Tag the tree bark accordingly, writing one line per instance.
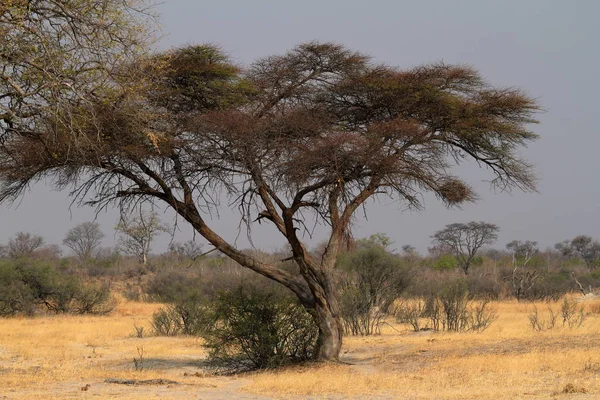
(326, 313)
(329, 343)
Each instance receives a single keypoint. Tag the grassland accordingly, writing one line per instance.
(56, 357)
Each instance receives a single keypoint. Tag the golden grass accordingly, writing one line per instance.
(53, 357)
(41, 353)
(508, 361)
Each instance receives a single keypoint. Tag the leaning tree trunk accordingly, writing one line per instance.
(318, 296)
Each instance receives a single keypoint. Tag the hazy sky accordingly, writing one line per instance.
(547, 48)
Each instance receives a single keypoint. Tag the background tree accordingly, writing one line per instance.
(522, 251)
(84, 239)
(137, 233)
(190, 250)
(583, 247)
(464, 240)
(23, 245)
(311, 134)
(522, 280)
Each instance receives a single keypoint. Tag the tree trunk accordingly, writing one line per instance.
(329, 344)
(326, 312)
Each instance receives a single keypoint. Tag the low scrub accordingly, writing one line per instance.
(27, 287)
(449, 310)
(183, 316)
(254, 329)
(245, 328)
(570, 315)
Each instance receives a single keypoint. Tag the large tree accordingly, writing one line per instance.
(311, 134)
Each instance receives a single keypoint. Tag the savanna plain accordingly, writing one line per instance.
(72, 357)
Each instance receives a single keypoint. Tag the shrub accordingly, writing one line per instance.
(449, 310)
(183, 316)
(15, 297)
(445, 262)
(484, 285)
(371, 279)
(166, 323)
(27, 286)
(573, 316)
(538, 324)
(93, 298)
(412, 313)
(254, 328)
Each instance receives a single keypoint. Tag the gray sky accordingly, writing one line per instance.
(546, 47)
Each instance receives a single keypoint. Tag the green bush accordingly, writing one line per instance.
(93, 298)
(28, 286)
(445, 262)
(371, 279)
(15, 296)
(166, 323)
(183, 316)
(254, 328)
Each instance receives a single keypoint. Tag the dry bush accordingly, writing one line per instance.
(30, 286)
(412, 313)
(451, 311)
(572, 314)
(594, 308)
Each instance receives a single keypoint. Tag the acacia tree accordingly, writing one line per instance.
(311, 134)
(464, 240)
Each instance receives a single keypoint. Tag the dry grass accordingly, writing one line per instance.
(508, 361)
(53, 357)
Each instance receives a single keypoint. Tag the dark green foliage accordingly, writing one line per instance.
(371, 279)
(254, 328)
(28, 286)
(183, 316)
(187, 300)
(591, 279)
(583, 247)
(15, 296)
(93, 299)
